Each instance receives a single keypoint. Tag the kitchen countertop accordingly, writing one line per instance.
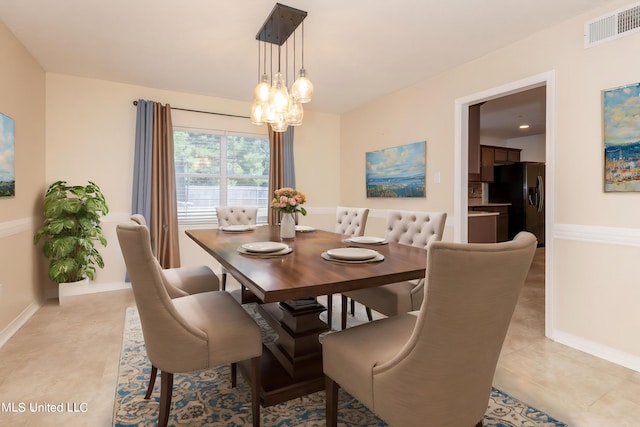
(480, 213)
(481, 204)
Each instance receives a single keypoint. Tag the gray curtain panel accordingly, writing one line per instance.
(141, 194)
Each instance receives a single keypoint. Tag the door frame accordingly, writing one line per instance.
(461, 170)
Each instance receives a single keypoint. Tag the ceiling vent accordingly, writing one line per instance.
(613, 25)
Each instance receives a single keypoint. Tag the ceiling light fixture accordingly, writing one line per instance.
(272, 102)
(524, 126)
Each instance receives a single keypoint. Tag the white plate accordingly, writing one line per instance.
(264, 247)
(352, 254)
(372, 240)
(236, 227)
(377, 258)
(284, 251)
(304, 228)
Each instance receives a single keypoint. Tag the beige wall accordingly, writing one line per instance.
(596, 234)
(22, 83)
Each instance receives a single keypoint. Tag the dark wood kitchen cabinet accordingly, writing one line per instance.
(502, 222)
(487, 155)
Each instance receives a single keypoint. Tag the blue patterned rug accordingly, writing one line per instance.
(206, 398)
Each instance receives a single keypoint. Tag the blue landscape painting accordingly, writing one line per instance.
(622, 138)
(7, 153)
(397, 171)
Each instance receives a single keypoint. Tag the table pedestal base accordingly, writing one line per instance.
(292, 365)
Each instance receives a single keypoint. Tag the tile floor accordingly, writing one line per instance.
(68, 355)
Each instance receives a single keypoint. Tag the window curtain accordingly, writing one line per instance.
(154, 188)
(281, 167)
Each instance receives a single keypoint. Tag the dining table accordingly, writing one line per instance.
(286, 282)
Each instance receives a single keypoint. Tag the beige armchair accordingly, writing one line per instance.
(435, 367)
(409, 228)
(234, 215)
(187, 333)
(184, 281)
(349, 222)
(180, 282)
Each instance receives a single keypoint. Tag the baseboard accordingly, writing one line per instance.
(91, 288)
(596, 349)
(18, 322)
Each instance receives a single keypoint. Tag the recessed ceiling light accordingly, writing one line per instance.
(524, 126)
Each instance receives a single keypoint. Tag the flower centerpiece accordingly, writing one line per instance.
(288, 201)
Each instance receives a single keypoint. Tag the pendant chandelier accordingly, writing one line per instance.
(273, 102)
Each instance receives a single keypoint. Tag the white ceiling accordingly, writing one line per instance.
(355, 50)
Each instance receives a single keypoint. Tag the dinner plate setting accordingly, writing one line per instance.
(352, 255)
(265, 249)
(367, 240)
(304, 228)
(238, 228)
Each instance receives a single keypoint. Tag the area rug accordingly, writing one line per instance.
(206, 398)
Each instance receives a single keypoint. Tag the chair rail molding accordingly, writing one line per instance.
(598, 234)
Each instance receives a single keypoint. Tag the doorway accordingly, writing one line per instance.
(461, 168)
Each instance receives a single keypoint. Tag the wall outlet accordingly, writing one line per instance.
(436, 178)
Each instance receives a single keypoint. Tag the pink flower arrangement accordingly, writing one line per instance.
(289, 200)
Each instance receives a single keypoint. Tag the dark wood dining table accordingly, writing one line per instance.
(286, 287)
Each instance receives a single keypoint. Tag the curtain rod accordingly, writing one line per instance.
(204, 112)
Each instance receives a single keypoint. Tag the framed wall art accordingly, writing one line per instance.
(621, 136)
(397, 171)
(7, 153)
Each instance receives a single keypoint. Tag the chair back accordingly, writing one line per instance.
(445, 371)
(351, 221)
(415, 228)
(172, 344)
(236, 215)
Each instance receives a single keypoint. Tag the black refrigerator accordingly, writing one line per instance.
(521, 184)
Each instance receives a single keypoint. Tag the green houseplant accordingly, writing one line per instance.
(70, 230)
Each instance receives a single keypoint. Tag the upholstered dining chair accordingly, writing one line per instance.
(435, 366)
(180, 282)
(234, 215)
(187, 333)
(409, 228)
(349, 222)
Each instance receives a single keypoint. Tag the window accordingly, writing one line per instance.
(218, 168)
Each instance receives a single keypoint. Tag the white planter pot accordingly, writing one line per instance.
(67, 291)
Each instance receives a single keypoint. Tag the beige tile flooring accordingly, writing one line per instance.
(69, 354)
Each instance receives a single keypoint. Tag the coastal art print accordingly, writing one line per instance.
(622, 138)
(7, 164)
(397, 171)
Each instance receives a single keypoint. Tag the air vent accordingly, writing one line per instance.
(611, 26)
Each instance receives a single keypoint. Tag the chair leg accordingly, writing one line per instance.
(329, 310)
(223, 284)
(255, 390)
(166, 388)
(234, 374)
(353, 307)
(152, 381)
(343, 313)
(369, 315)
(331, 389)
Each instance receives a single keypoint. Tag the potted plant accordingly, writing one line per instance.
(70, 230)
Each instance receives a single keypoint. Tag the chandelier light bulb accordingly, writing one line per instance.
(279, 96)
(261, 92)
(295, 113)
(280, 125)
(257, 113)
(302, 88)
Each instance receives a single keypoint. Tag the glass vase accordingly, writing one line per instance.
(287, 226)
